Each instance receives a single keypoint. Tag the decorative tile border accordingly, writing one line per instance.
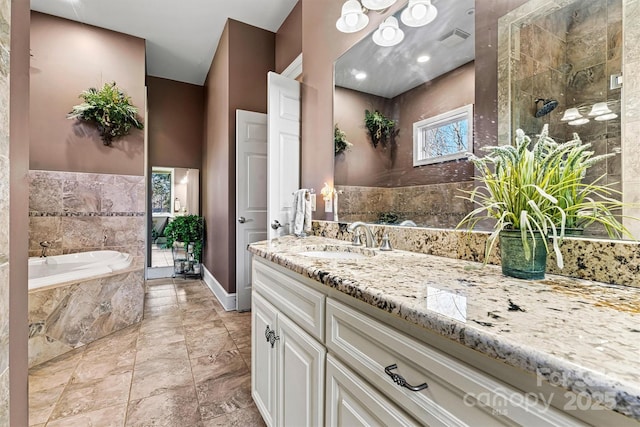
(41, 214)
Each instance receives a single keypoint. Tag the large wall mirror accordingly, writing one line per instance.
(564, 54)
(425, 85)
(174, 192)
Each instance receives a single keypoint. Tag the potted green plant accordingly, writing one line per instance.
(381, 129)
(110, 109)
(187, 229)
(529, 193)
(340, 142)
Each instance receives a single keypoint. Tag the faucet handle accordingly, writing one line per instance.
(356, 238)
(385, 245)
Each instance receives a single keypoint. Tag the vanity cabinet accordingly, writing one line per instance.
(287, 362)
(375, 373)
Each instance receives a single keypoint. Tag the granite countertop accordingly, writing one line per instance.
(579, 334)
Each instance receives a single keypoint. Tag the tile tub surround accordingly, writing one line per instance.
(614, 262)
(79, 212)
(68, 316)
(594, 346)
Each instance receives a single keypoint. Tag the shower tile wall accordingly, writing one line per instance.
(5, 28)
(432, 205)
(78, 212)
(568, 55)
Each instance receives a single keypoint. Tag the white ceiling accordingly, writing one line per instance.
(182, 35)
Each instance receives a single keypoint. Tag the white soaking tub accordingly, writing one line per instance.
(53, 270)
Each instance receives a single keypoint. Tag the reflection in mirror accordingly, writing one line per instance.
(174, 191)
(428, 74)
(562, 68)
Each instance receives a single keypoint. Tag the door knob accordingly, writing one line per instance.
(242, 220)
(276, 224)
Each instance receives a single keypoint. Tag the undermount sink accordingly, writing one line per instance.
(337, 252)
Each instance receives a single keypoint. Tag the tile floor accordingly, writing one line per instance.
(186, 364)
(161, 257)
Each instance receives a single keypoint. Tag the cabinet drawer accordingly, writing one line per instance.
(300, 303)
(352, 402)
(456, 394)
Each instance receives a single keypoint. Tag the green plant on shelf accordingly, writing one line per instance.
(187, 229)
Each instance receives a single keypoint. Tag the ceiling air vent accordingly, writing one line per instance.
(454, 37)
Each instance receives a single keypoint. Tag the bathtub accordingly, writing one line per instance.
(78, 298)
(53, 270)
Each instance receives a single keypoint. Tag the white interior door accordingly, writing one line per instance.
(283, 169)
(251, 196)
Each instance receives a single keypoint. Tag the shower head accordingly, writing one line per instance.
(548, 105)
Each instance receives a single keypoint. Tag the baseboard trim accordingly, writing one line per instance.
(227, 300)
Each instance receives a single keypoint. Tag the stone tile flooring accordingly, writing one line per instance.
(186, 364)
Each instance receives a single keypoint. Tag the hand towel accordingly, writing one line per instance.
(299, 211)
(307, 213)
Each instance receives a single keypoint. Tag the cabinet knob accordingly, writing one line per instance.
(399, 379)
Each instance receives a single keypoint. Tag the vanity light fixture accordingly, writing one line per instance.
(388, 33)
(418, 13)
(571, 114)
(605, 117)
(352, 18)
(377, 4)
(599, 109)
(424, 58)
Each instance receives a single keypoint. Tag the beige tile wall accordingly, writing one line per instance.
(79, 212)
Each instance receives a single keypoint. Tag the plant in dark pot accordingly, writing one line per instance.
(381, 129)
(187, 229)
(110, 109)
(526, 191)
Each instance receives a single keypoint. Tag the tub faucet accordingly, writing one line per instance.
(370, 239)
(44, 244)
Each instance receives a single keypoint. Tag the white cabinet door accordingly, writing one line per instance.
(264, 318)
(300, 376)
(352, 402)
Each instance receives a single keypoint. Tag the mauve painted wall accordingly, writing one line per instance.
(289, 38)
(16, 287)
(69, 57)
(237, 80)
(322, 44)
(362, 164)
(175, 123)
(365, 165)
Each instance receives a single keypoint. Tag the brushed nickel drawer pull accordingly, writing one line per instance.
(399, 379)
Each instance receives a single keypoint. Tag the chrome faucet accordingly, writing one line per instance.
(370, 239)
(45, 244)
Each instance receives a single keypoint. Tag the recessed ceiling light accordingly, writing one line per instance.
(361, 75)
(423, 58)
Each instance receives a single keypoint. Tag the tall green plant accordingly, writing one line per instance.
(538, 190)
(186, 229)
(110, 109)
